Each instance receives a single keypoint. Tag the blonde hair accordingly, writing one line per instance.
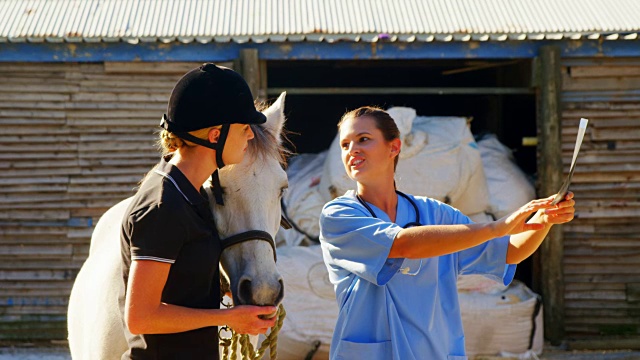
(170, 142)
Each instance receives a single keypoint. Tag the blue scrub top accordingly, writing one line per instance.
(385, 314)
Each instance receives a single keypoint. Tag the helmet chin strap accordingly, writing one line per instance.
(219, 148)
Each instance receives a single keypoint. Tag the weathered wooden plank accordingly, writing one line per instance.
(29, 188)
(152, 68)
(595, 295)
(35, 251)
(122, 146)
(586, 213)
(594, 286)
(611, 145)
(630, 342)
(86, 202)
(34, 301)
(32, 121)
(64, 163)
(35, 310)
(606, 177)
(609, 157)
(41, 105)
(574, 249)
(39, 88)
(570, 125)
(630, 258)
(602, 304)
(38, 68)
(111, 114)
(23, 147)
(39, 180)
(570, 83)
(111, 106)
(45, 240)
(135, 123)
(34, 214)
(39, 275)
(160, 99)
(21, 230)
(600, 269)
(603, 71)
(27, 174)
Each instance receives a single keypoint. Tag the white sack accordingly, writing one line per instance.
(509, 188)
(501, 322)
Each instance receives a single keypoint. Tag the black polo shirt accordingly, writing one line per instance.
(170, 221)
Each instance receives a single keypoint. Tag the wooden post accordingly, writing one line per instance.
(250, 70)
(549, 181)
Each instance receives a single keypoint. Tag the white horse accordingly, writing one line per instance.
(252, 192)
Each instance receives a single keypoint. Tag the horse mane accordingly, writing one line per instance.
(265, 144)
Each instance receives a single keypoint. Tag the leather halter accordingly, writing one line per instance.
(248, 236)
(252, 235)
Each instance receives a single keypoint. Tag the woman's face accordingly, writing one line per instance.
(365, 152)
(237, 143)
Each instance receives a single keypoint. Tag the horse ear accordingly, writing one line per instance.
(275, 116)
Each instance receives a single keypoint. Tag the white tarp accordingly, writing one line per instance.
(302, 201)
(310, 302)
(439, 159)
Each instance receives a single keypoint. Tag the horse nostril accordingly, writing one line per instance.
(281, 293)
(244, 292)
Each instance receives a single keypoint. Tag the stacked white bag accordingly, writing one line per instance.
(508, 320)
(509, 187)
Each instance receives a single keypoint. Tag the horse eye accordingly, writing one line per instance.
(282, 191)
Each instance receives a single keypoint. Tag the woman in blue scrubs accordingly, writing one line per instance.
(394, 258)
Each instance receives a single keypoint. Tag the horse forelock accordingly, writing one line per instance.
(265, 145)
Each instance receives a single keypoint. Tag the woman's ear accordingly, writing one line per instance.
(396, 145)
(214, 135)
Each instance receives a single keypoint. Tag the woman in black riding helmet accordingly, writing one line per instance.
(170, 247)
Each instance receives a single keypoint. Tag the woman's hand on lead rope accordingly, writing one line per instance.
(246, 319)
(515, 222)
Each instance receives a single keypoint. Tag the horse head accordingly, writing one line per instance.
(252, 191)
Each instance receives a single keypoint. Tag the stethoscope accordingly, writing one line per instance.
(405, 270)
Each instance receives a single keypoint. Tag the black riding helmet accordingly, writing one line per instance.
(207, 96)
(210, 95)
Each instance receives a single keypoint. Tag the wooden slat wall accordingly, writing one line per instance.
(76, 139)
(602, 246)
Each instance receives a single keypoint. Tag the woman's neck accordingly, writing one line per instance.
(381, 194)
(193, 167)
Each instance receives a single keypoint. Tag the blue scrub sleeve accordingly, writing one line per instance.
(354, 241)
(488, 259)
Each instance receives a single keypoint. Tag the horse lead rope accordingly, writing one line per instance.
(247, 351)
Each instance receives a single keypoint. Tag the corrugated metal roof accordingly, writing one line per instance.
(315, 20)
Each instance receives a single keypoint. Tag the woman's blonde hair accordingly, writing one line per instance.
(170, 142)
